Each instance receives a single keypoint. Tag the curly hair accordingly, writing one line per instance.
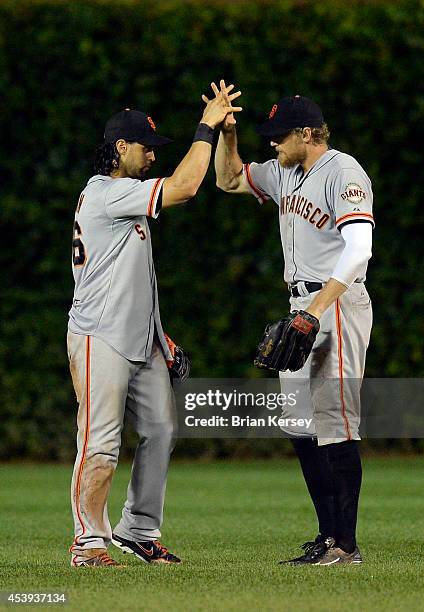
(106, 159)
(320, 135)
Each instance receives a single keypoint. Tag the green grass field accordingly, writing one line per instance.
(231, 523)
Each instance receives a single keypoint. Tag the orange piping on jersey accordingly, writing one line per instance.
(340, 357)
(86, 436)
(260, 195)
(152, 197)
(80, 201)
(358, 214)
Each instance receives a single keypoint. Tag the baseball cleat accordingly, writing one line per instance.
(99, 558)
(149, 551)
(337, 556)
(313, 551)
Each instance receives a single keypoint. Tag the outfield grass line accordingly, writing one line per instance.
(231, 523)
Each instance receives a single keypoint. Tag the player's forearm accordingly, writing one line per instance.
(327, 296)
(228, 164)
(191, 171)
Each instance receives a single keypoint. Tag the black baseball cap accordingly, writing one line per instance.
(133, 126)
(290, 113)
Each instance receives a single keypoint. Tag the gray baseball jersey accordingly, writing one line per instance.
(116, 296)
(313, 208)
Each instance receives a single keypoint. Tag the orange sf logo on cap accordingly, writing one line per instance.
(273, 111)
(152, 125)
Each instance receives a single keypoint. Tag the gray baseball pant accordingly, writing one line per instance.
(108, 386)
(328, 386)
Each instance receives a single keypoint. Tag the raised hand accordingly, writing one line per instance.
(226, 97)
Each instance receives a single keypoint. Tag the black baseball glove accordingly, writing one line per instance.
(179, 366)
(286, 344)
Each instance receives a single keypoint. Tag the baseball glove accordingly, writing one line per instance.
(286, 344)
(179, 366)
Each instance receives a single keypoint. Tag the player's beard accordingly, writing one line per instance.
(140, 173)
(144, 172)
(291, 161)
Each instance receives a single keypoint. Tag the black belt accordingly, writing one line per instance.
(310, 287)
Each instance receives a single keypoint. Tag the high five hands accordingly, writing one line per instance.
(221, 103)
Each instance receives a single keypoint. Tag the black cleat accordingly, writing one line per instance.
(314, 551)
(149, 551)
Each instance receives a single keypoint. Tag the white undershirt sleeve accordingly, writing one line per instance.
(357, 251)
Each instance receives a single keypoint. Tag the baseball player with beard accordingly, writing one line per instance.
(324, 201)
(117, 349)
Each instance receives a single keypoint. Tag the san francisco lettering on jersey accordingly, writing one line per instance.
(300, 205)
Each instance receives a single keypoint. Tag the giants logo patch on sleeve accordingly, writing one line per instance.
(353, 193)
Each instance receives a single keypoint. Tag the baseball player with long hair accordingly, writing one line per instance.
(118, 352)
(324, 201)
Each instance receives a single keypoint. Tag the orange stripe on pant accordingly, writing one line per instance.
(340, 357)
(87, 434)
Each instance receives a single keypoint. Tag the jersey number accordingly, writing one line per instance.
(78, 250)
